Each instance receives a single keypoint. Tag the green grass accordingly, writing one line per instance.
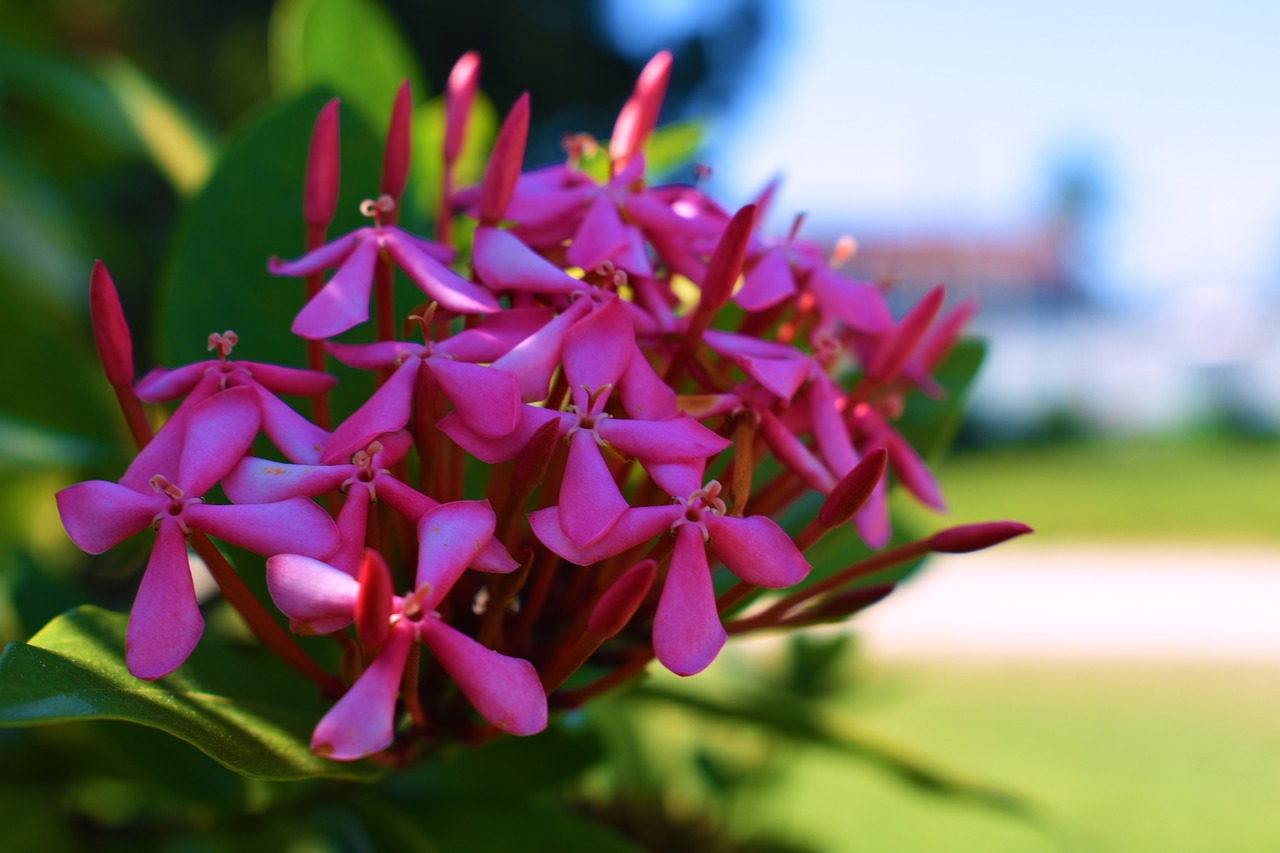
(1122, 759)
(1184, 491)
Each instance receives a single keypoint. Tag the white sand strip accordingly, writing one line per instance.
(1126, 602)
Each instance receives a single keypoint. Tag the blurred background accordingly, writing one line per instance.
(1100, 177)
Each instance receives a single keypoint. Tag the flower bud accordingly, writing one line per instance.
(395, 159)
(459, 94)
(899, 343)
(854, 490)
(975, 537)
(504, 163)
(110, 331)
(726, 260)
(320, 192)
(639, 116)
(619, 603)
(373, 602)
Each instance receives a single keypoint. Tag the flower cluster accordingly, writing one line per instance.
(556, 462)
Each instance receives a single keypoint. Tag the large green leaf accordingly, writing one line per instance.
(930, 425)
(241, 709)
(353, 46)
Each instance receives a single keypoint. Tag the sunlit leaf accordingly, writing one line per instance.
(352, 46)
(671, 147)
(242, 710)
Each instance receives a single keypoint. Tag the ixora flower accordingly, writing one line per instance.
(321, 599)
(163, 488)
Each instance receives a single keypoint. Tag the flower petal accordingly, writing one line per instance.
(636, 525)
(599, 237)
(598, 347)
(292, 434)
(495, 335)
(487, 399)
(768, 282)
(289, 380)
(293, 526)
(343, 302)
(590, 501)
(363, 721)
(98, 515)
(161, 385)
(261, 481)
(673, 440)
(449, 538)
(643, 393)
(442, 284)
(165, 623)
(687, 634)
(504, 262)
(317, 598)
(505, 690)
(386, 411)
(495, 450)
(535, 358)
(218, 435)
(331, 254)
(757, 550)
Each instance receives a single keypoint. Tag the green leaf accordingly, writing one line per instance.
(671, 147)
(236, 706)
(809, 722)
(251, 209)
(930, 425)
(353, 46)
(428, 145)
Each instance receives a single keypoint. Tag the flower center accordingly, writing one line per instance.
(697, 505)
(376, 207)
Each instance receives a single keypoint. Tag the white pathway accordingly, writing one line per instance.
(1085, 602)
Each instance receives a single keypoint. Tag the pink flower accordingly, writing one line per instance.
(687, 634)
(163, 489)
(504, 690)
(343, 302)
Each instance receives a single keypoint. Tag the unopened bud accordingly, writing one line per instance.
(110, 331)
(639, 116)
(901, 342)
(459, 94)
(843, 606)
(621, 601)
(503, 171)
(975, 537)
(726, 261)
(853, 490)
(320, 192)
(373, 602)
(395, 159)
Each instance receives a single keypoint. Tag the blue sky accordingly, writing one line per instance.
(912, 114)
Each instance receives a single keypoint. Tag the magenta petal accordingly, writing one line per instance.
(331, 254)
(261, 481)
(295, 436)
(767, 283)
(386, 411)
(161, 385)
(687, 634)
(289, 380)
(857, 303)
(163, 454)
(598, 347)
(449, 538)
(487, 399)
(872, 521)
(219, 434)
(633, 527)
(673, 440)
(318, 598)
(678, 479)
(495, 335)
(793, 453)
(294, 526)
(914, 474)
(505, 690)
(504, 262)
(363, 721)
(376, 355)
(829, 427)
(757, 550)
(343, 302)
(99, 515)
(165, 623)
(406, 500)
(599, 237)
(495, 450)
(353, 526)
(442, 284)
(643, 393)
(782, 377)
(590, 501)
(535, 359)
